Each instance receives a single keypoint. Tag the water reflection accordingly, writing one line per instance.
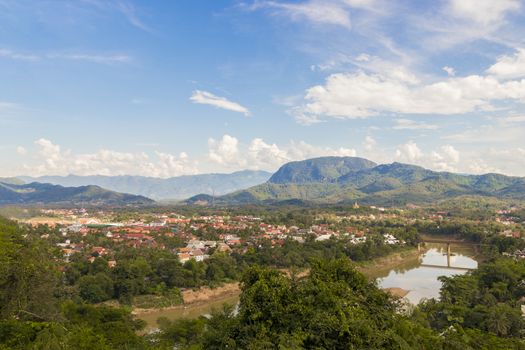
(191, 311)
(422, 281)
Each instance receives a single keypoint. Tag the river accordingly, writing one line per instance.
(190, 311)
(420, 281)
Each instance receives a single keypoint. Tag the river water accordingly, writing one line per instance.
(411, 275)
(422, 281)
(190, 311)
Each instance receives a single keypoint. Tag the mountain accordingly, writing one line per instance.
(11, 180)
(325, 169)
(38, 193)
(162, 189)
(349, 179)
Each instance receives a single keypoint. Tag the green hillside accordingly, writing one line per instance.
(11, 180)
(324, 169)
(37, 193)
(173, 188)
(348, 179)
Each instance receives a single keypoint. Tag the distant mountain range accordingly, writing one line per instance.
(38, 193)
(349, 179)
(174, 188)
(11, 180)
(318, 181)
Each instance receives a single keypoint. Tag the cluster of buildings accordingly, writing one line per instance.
(201, 235)
(199, 250)
(518, 254)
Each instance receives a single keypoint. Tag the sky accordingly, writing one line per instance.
(167, 88)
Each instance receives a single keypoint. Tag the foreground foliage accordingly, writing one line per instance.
(334, 307)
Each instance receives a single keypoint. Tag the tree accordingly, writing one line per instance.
(96, 288)
(28, 275)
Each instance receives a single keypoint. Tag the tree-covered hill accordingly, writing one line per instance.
(349, 179)
(324, 169)
(179, 187)
(37, 193)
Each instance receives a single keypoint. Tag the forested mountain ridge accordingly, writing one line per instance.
(348, 179)
(38, 193)
(179, 187)
(324, 169)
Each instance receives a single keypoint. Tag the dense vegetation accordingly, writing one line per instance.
(152, 272)
(334, 307)
(159, 274)
(485, 301)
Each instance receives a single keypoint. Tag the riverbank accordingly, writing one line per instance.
(379, 266)
(198, 297)
(397, 292)
(205, 297)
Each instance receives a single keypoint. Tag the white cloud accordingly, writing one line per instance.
(408, 124)
(258, 154)
(304, 118)
(264, 155)
(451, 152)
(207, 98)
(501, 160)
(500, 133)
(169, 165)
(131, 14)
(51, 154)
(338, 60)
(50, 159)
(316, 11)
(467, 21)
(361, 95)
(321, 12)
(409, 152)
(514, 119)
(94, 58)
(224, 154)
(6, 106)
(21, 150)
(369, 144)
(363, 58)
(225, 151)
(229, 154)
(484, 12)
(450, 71)
(302, 150)
(445, 159)
(18, 56)
(364, 4)
(509, 66)
(480, 166)
(104, 59)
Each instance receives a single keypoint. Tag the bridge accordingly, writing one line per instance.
(445, 240)
(448, 242)
(448, 267)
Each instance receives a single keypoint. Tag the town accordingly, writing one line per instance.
(93, 233)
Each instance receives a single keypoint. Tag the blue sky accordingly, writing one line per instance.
(166, 88)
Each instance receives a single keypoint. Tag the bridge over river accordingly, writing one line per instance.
(449, 242)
